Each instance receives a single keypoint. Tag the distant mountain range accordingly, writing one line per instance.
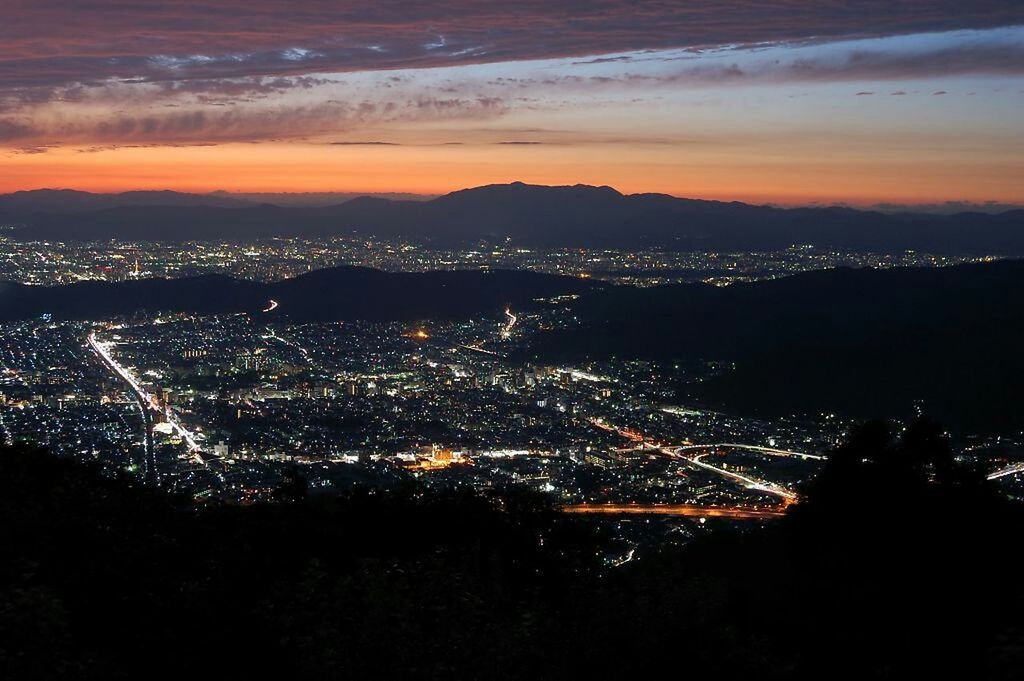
(341, 293)
(44, 202)
(70, 201)
(519, 214)
(861, 343)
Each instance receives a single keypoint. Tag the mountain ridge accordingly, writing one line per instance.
(332, 294)
(537, 216)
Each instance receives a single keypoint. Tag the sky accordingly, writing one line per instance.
(774, 101)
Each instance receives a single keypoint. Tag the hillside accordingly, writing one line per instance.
(540, 216)
(896, 563)
(863, 343)
(340, 293)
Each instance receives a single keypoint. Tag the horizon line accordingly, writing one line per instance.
(879, 204)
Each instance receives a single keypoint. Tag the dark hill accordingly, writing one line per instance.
(855, 342)
(62, 201)
(540, 216)
(323, 295)
(897, 564)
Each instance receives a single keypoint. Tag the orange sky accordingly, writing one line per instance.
(900, 118)
(741, 174)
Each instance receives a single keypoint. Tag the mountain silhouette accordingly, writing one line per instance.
(531, 216)
(858, 342)
(339, 293)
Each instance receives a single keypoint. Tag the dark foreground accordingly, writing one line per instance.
(898, 563)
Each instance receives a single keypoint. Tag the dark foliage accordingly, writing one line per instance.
(337, 293)
(899, 563)
(864, 343)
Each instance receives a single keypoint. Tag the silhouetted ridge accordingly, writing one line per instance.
(898, 562)
(855, 342)
(323, 295)
(540, 216)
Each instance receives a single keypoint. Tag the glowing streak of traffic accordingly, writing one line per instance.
(1003, 472)
(292, 344)
(787, 496)
(771, 451)
(684, 510)
(272, 306)
(750, 483)
(477, 348)
(186, 435)
(506, 333)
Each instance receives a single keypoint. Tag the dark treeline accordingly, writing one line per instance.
(331, 294)
(863, 343)
(898, 563)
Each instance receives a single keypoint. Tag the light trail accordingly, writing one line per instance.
(748, 482)
(787, 496)
(476, 348)
(771, 451)
(193, 445)
(506, 333)
(1003, 472)
(272, 306)
(631, 555)
(292, 344)
(682, 510)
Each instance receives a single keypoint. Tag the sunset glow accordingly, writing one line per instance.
(686, 100)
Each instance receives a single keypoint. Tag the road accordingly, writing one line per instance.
(477, 348)
(684, 510)
(784, 494)
(149, 471)
(1009, 470)
(770, 451)
(292, 344)
(146, 400)
(748, 482)
(506, 333)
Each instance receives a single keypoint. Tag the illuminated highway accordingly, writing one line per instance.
(786, 495)
(102, 350)
(684, 510)
(771, 451)
(292, 344)
(1003, 472)
(748, 482)
(506, 333)
(477, 348)
(272, 306)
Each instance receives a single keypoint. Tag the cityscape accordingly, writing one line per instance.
(475, 340)
(220, 407)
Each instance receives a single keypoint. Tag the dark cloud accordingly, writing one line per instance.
(239, 124)
(56, 42)
(11, 129)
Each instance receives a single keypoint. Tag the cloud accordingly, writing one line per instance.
(12, 129)
(59, 42)
(102, 129)
(245, 87)
(364, 144)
